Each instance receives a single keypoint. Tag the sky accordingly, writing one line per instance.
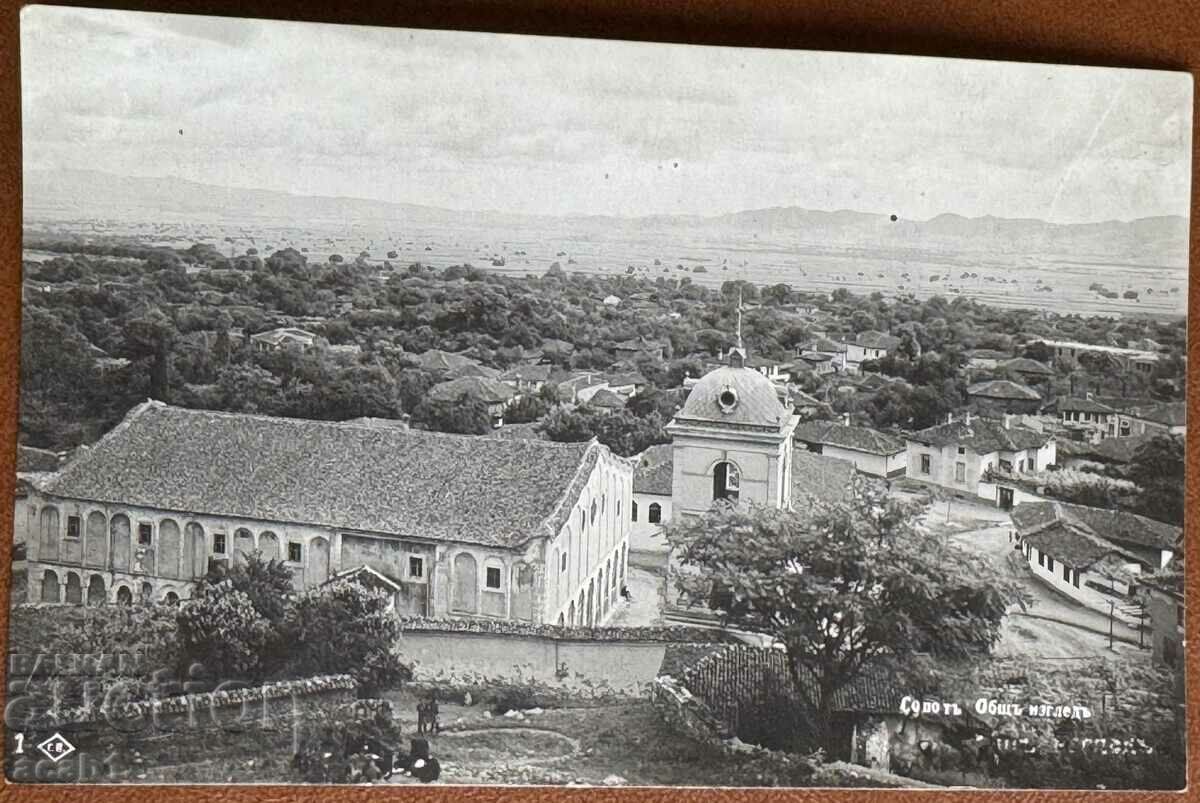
(566, 126)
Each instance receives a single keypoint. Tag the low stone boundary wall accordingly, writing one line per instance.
(501, 627)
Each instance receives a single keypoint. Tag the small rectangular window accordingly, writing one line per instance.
(1075, 578)
(416, 567)
(962, 450)
(960, 472)
(1049, 563)
(1041, 558)
(1066, 572)
(295, 553)
(924, 464)
(145, 534)
(493, 577)
(563, 561)
(218, 543)
(72, 526)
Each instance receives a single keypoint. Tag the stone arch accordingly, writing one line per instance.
(654, 513)
(95, 540)
(591, 602)
(97, 594)
(195, 551)
(268, 545)
(560, 620)
(124, 595)
(118, 528)
(74, 593)
(727, 480)
(169, 548)
(571, 613)
(171, 598)
(50, 587)
(521, 604)
(601, 597)
(48, 533)
(624, 559)
(316, 564)
(465, 596)
(243, 543)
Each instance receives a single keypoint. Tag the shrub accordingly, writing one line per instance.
(220, 629)
(344, 627)
(351, 744)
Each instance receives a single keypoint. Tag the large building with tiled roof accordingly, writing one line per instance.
(871, 451)
(969, 455)
(998, 396)
(467, 527)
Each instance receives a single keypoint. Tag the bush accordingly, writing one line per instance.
(221, 630)
(344, 627)
(353, 744)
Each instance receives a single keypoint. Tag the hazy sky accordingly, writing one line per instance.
(545, 125)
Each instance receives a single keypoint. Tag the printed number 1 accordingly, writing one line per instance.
(20, 737)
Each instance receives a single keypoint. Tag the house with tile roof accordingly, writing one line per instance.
(469, 527)
(1154, 418)
(651, 509)
(1086, 418)
(962, 453)
(1029, 370)
(606, 401)
(999, 396)
(1092, 555)
(492, 393)
(288, 338)
(869, 345)
(446, 365)
(526, 378)
(871, 451)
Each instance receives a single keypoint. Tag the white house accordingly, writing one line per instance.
(871, 452)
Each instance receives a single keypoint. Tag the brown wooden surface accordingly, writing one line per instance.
(1133, 33)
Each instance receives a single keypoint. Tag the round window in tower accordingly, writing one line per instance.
(727, 399)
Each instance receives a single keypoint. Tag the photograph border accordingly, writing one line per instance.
(1152, 34)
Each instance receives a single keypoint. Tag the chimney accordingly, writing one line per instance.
(967, 419)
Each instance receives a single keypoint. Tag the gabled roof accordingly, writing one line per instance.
(526, 373)
(988, 354)
(824, 344)
(427, 486)
(1070, 545)
(818, 478)
(31, 460)
(861, 439)
(368, 576)
(627, 378)
(877, 340)
(1025, 365)
(983, 436)
(1003, 389)
(488, 391)
(1115, 525)
(437, 361)
(655, 478)
(606, 399)
(277, 336)
(1074, 404)
(1171, 414)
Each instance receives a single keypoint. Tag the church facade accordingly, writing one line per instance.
(462, 527)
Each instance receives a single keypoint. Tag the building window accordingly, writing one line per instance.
(1041, 559)
(1049, 563)
(655, 514)
(924, 464)
(1075, 578)
(416, 567)
(594, 511)
(960, 472)
(295, 553)
(493, 578)
(727, 481)
(962, 450)
(633, 510)
(145, 534)
(1066, 572)
(563, 561)
(218, 543)
(618, 508)
(1179, 615)
(582, 519)
(72, 526)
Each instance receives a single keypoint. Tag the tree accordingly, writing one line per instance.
(842, 588)
(1158, 469)
(464, 416)
(527, 409)
(150, 337)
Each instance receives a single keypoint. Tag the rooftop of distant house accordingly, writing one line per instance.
(876, 340)
(1110, 525)
(489, 391)
(1116, 350)
(1076, 404)
(983, 435)
(607, 399)
(426, 486)
(818, 478)
(1026, 365)
(848, 436)
(1170, 414)
(526, 373)
(276, 336)
(1003, 389)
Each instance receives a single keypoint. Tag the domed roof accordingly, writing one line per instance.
(733, 394)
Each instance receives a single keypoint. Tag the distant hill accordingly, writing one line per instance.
(93, 194)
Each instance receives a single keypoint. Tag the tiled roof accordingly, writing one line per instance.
(1171, 414)
(489, 391)
(1074, 404)
(630, 378)
(987, 354)
(824, 344)
(526, 373)
(654, 479)
(1025, 365)
(1003, 389)
(1117, 525)
(422, 485)
(817, 478)
(983, 436)
(31, 460)
(277, 336)
(607, 399)
(877, 340)
(1070, 545)
(441, 362)
(835, 433)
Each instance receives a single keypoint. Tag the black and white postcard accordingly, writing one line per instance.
(433, 407)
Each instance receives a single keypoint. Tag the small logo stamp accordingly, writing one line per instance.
(56, 748)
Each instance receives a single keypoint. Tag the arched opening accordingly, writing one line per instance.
(118, 529)
(560, 620)
(96, 591)
(195, 559)
(727, 481)
(243, 542)
(147, 594)
(591, 603)
(268, 545)
(465, 597)
(48, 534)
(654, 513)
(74, 589)
(124, 596)
(95, 539)
(50, 589)
(168, 548)
(602, 599)
(571, 613)
(171, 598)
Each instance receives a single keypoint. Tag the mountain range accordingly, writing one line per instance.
(78, 194)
